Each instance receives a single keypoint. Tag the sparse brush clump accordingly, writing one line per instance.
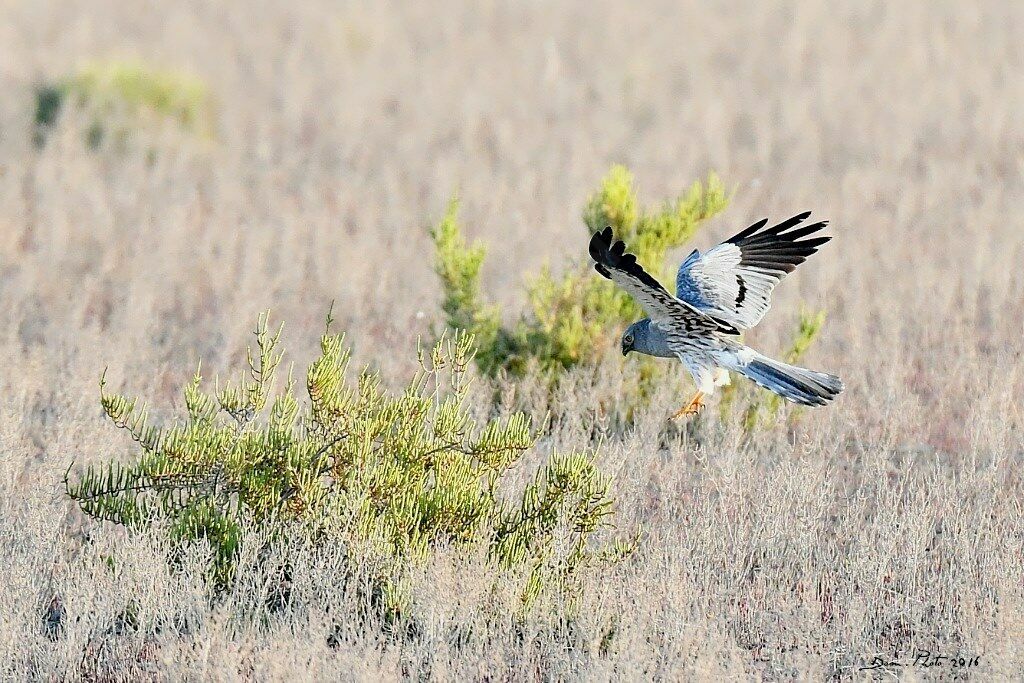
(130, 89)
(393, 476)
(576, 318)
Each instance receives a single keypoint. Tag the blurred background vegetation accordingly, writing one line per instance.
(112, 91)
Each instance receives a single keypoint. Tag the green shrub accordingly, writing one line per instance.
(130, 87)
(393, 474)
(575, 317)
(458, 265)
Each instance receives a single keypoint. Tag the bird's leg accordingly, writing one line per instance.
(691, 408)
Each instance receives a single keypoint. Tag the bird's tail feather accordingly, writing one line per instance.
(798, 385)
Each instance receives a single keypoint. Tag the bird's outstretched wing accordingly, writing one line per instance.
(734, 280)
(665, 310)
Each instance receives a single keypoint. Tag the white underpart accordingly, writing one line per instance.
(706, 380)
(706, 377)
(712, 371)
(745, 355)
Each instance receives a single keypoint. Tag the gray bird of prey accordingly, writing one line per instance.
(718, 295)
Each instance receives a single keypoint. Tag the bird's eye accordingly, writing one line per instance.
(629, 339)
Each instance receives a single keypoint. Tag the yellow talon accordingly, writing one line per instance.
(691, 408)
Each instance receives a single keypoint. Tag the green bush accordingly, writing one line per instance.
(395, 475)
(576, 317)
(129, 87)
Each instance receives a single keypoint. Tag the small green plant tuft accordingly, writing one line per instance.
(394, 475)
(458, 265)
(131, 88)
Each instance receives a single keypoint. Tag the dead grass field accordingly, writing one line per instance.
(887, 523)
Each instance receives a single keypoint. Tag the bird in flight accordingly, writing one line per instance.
(718, 295)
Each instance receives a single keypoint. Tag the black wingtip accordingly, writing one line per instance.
(758, 229)
(609, 254)
(787, 224)
(600, 244)
(750, 230)
(781, 247)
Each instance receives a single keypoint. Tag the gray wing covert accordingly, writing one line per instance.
(734, 280)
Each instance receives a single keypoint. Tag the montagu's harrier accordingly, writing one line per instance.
(719, 294)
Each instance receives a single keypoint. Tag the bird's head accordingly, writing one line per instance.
(634, 332)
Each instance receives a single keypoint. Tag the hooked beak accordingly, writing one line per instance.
(626, 349)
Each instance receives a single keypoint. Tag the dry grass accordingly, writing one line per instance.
(886, 523)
